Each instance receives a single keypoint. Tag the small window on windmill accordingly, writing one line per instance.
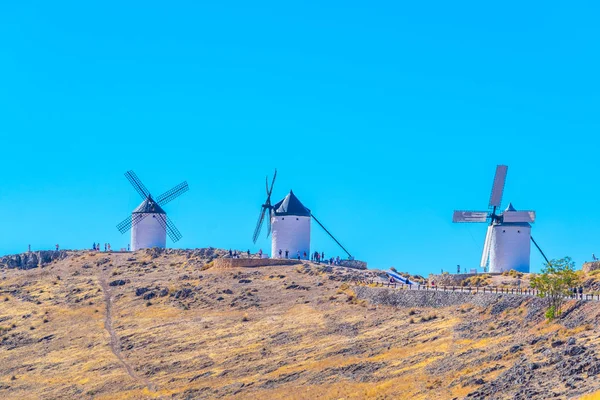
(282, 218)
(503, 231)
(296, 219)
(518, 231)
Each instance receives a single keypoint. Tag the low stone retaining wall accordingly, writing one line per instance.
(404, 298)
(353, 264)
(224, 263)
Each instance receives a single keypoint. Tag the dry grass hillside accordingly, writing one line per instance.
(155, 325)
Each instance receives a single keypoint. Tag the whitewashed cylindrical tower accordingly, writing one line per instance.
(510, 246)
(150, 231)
(290, 228)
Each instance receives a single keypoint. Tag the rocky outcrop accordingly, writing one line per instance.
(32, 259)
(590, 266)
(206, 253)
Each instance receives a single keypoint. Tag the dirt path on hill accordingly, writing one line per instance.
(115, 343)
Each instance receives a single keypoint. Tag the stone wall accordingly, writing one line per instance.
(223, 263)
(420, 298)
(353, 264)
(32, 259)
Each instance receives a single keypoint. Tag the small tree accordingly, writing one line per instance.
(556, 282)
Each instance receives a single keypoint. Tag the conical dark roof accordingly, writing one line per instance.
(290, 205)
(510, 207)
(149, 206)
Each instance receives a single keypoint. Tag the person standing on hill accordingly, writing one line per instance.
(279, 253)
(109, 247)
(322, 255)
(287, 254)
(105, 247)
(57, 247)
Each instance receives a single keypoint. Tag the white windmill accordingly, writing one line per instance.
(149, 223)
(290, 221)
(507, 242)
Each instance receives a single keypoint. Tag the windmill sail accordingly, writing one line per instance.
(259, 223)
(137, 184)
(470, 216)
(172, 194)
(486, 247)
(265, 210)
(498, 186)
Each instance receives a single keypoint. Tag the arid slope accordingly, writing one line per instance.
(155, 325)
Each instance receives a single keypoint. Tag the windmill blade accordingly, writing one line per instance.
(498, 186)
(125, 225)
(172, 194)
(325, 229)
(518, 216)
(269, 224)
(261, 218)
(541, 252)
(169, 226)
(486, 247)
(172, 231)
(137, 184)
(470, 216)
(272, 183)
(130, 221)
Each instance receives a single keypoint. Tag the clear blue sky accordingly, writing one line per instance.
(382, 117)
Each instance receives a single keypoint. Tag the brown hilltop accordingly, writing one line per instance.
(165, 324)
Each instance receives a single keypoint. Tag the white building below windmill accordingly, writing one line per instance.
(510, 243)
(150, 231)
(290, 225)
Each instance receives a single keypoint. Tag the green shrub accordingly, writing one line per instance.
(551, 313)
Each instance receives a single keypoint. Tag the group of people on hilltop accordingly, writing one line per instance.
(238, 254)
(315, 257)
(577, 292)
(320, 258)
(96, 247)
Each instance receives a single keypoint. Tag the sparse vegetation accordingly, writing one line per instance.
(427, 318)
(477, 280)
(556, 282)
(331, 345)
(512, 273)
